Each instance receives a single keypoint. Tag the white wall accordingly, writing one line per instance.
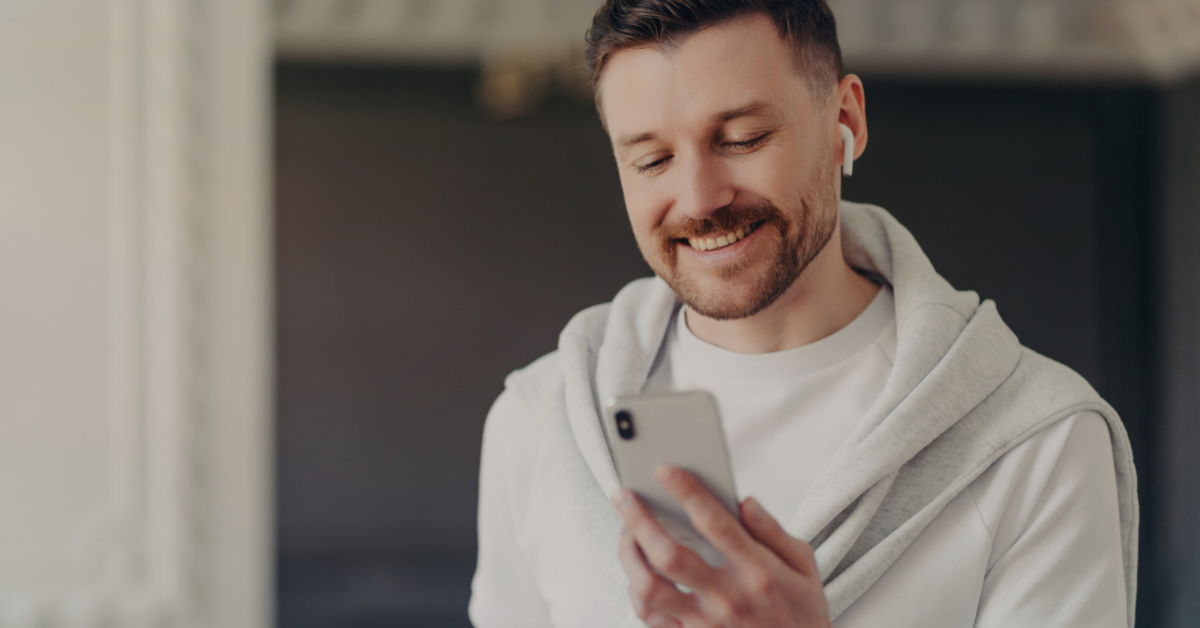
(134, 314)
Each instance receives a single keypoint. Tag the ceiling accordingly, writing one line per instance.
(1140, 40)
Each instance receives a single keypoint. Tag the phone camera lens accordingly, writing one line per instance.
(625, 424)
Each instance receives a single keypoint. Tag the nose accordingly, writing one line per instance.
(703, 187)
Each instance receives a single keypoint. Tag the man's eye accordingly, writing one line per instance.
(654, 165)
(750, 143)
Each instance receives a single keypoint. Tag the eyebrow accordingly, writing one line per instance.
(625, 141)
(752, 109)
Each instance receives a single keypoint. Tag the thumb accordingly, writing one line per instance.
(796, 553)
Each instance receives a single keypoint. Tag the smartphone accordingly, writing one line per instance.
(677, 428)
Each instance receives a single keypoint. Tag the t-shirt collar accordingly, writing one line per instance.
(829, 351)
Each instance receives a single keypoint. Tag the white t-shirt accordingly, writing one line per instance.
(785, 413)
(1035, 540)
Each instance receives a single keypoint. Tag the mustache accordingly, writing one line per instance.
(723, 220)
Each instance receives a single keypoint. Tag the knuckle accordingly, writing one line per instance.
(719, 610)
(686, 482)
(640, 610)
(673, 559)
(807, 553)
(642, 590)
(656, 597)
(702, 515)
(647, 528)
(739, 610)
(760, 582)
(729, 611)
(717, 525)
(657, 620)
(775, 531)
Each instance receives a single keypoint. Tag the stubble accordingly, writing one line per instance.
(801, 232)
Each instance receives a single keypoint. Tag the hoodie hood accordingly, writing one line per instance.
(963, 392)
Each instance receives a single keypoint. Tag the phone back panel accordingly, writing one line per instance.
(680, 429)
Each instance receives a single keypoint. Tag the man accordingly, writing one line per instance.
(902, 460)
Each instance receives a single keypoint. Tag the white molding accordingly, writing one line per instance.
(1141, 40)
(181, 536)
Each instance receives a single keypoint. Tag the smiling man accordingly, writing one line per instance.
(902, 460)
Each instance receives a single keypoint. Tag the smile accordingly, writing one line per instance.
(721, 241)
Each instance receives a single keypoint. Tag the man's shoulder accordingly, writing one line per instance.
(529, 381)
(1047, 381)
(1037, 394)
(1044, 370)
(514, 423)
(512, 433)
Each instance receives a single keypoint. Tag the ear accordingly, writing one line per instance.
(849, 105)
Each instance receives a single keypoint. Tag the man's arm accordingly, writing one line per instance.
(504, 592)
(1059, 562)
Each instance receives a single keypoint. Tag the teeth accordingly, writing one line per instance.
(708, 244)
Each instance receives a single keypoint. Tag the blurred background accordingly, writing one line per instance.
(446, 200)
(283, 254)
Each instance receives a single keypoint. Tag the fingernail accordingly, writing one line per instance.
(620, 499)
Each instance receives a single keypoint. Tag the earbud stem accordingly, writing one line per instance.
(848, 155)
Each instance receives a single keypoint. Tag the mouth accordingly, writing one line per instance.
(713, 242)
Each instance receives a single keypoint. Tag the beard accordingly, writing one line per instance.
(743, 290)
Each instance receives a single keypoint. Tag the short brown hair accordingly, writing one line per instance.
(806, 25)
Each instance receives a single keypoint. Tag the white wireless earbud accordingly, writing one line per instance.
(848, 155)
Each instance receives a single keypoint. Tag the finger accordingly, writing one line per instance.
(655, 619)
(708, 515)
(663, 553)
(648, 590)
(796, 553)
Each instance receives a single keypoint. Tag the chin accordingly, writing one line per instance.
(733, 298)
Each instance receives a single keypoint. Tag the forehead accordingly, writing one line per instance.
(717, 69)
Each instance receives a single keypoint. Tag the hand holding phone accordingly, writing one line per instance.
(679, 429)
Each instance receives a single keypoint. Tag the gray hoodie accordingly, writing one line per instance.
(962, 393)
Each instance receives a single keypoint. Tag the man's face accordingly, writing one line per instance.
(722, 136)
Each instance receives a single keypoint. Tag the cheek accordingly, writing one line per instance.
(645, 213)
(768, 183)
(774, 173)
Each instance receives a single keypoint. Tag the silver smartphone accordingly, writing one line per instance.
(681, 429)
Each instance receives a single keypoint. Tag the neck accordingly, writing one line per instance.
(826, 297)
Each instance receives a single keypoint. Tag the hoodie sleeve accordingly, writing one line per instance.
(504, 592)
(1056, 557)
